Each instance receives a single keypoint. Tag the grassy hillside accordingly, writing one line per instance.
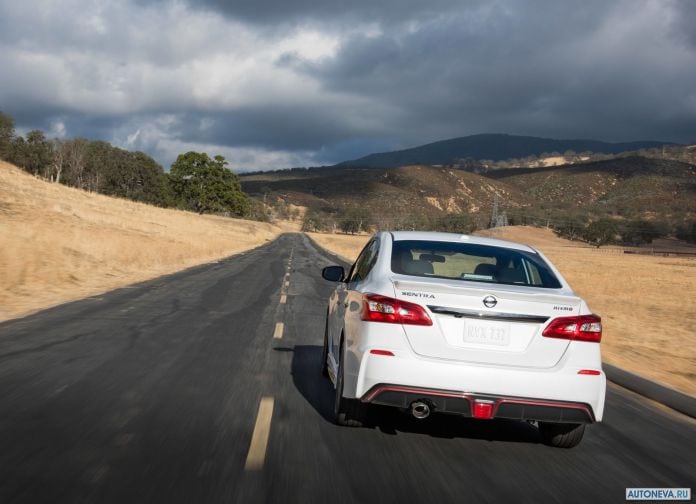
(629, 187)
(60, 243)
(646, 303)
(494, 147)
(410, 190)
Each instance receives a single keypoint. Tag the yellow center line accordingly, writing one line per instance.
(259, 439)
(278, 333)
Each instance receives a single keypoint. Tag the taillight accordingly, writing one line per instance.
(378, 308)
(580, 328)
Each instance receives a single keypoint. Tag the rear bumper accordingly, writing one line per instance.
(462, 403)
(516, 392)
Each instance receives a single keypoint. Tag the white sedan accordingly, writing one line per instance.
(477, 327)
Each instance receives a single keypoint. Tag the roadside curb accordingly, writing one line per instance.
(663, 394)
(670, 397)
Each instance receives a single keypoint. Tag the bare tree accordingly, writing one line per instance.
(92, 180)
(75, 160)
(58, 161)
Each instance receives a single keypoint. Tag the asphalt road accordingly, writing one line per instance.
(151, 394)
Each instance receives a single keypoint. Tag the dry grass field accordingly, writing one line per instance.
(647, 304)
(59, 244)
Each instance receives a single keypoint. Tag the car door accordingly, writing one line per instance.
(358, 272)
(353, 304)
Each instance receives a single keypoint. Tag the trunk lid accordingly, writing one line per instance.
(506, 331)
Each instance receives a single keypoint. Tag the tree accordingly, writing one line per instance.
(205, 185)
(37, 153)
(74, 158)
(638, 232)
(32, 153)
(7, 134)
(571, 227)
(101, 158)
(166, 197)
(132, 175)
(148, 182)
(314, 221)
(600, 232)
(258, 211)
(354, 220)
(455, 223)
(18, 151)
(348, 225)
(57, 161)
(687, 231)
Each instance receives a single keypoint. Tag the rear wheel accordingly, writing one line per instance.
(347, 412)
(561, 435)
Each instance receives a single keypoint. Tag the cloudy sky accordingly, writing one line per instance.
(280, 83)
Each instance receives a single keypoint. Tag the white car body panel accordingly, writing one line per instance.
(499, 358)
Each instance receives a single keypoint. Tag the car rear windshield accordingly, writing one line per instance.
(471, 262)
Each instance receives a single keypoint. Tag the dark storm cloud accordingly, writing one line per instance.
(282, 12)
(685, 20)
(556, 71)
(315, 81)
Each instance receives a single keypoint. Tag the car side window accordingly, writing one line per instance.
(365, 262)
(372, 259)
(354, 267)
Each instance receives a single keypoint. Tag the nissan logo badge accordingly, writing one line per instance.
(490, 301)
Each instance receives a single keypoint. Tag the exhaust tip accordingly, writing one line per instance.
(420, 410)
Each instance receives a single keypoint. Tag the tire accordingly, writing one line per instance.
(325, 350)
(347, 412)
(561, 435)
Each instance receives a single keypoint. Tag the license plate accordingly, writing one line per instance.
(487, 333)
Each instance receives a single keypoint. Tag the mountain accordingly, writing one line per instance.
(627, 187)
(496, 147)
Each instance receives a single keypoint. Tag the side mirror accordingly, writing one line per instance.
(333, 273)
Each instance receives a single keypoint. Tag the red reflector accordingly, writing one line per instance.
(580, 328)
(483, 410)
(592, 372)
(375, 351)
(378, 308)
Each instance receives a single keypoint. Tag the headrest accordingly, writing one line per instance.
(485, 269)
